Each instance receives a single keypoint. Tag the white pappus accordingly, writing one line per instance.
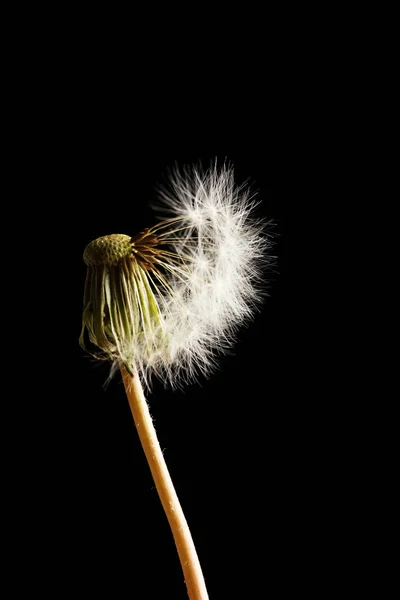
(168, 301)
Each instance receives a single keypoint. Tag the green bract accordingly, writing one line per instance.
(120, 309)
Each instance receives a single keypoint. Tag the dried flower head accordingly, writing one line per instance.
(168, 300)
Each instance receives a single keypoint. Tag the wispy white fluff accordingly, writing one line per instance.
(216, 278)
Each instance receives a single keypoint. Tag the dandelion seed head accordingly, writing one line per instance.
(166, 302)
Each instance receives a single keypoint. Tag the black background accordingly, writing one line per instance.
(272, 456)
(239, 446)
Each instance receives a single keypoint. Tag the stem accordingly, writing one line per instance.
(187, 553)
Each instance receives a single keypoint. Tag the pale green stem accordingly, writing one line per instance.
(186, 550)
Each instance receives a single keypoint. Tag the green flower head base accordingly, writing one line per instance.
(121, 311)
(166, 301)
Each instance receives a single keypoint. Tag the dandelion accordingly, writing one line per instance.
(167, 301)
